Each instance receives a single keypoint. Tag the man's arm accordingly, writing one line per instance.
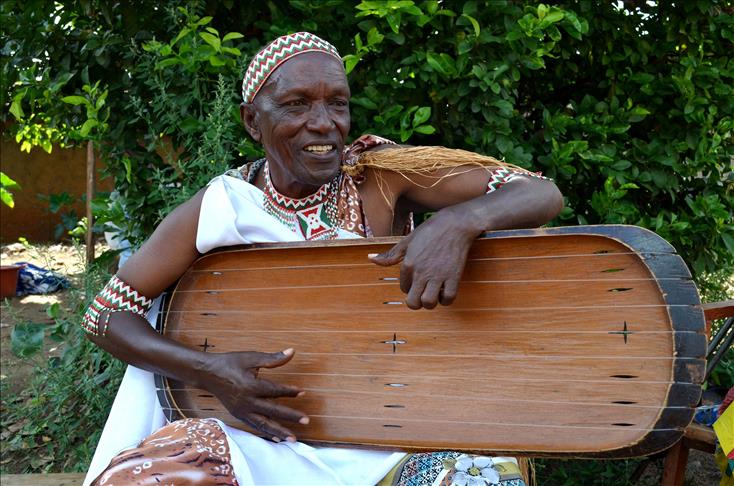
(434, 255)
(232, 377)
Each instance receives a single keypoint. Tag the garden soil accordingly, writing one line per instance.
(67, 260)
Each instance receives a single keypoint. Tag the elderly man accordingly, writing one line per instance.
(296, 104)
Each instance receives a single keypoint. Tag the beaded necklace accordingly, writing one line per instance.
(314, 216)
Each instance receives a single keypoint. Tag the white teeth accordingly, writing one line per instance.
(319, 148)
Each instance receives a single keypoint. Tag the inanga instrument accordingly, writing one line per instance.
(576, 340)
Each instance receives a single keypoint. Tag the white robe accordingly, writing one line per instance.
(232, 214)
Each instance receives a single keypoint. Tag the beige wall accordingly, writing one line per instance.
(40, 173)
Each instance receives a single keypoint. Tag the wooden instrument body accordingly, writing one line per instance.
(585, 341)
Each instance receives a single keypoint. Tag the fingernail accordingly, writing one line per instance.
(276, 439)
(300, 394)
(290, 438)
(288, 351)
(372, 255)
(304, 420)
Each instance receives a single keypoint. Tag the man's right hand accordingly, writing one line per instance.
(233, 379)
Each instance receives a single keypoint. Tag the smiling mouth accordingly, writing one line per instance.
(319, 149)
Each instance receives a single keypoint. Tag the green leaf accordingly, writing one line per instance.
(7, 182)
(374, 37)
(622, 165)
(217, 61)
(425, 129)
(53, 311)
(167, 62)
(231, 36)
(474, 23)
(393, 20)
(728, 241)
(16, 109)
(433, 61)
(212, 40)
(7, 197)
(75, 100)
(554, 16)
(27, 338)
(87, 127)
(421, 115)
(350, 61)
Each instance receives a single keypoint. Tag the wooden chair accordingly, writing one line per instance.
(698, 436)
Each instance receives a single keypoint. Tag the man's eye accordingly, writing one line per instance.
(295, 103)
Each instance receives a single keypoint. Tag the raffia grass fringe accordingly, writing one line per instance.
(527, 470)
(424, 161)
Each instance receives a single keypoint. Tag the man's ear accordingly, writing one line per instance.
(248, 113)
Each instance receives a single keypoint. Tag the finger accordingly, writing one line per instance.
(269, 428)
(392, 256)
(413, 300)
(429, 297)
(406, 276)
(278, 411)
(270, 389)
(449, 291)
(273, 360)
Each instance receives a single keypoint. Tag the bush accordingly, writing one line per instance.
(628, 109)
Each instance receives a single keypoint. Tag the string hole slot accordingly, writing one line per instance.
(624, 402)
(206, 396)
(612, 270)
(393, 426)
(625, 377)
(601, 252)
(394, 406)
(390, 279)
(620, 289)
(212, 292)
(622, 424)
(396, 385)
(217, 273)
(209, 314)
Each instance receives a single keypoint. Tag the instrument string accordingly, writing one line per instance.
(410, 396)
(386, 309)
(424, 420)
(610, 282)
(475, 259)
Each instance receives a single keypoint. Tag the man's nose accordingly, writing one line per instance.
(319, 119)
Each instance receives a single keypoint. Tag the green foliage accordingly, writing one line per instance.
(55, 424)
(6, 185)
(628, 108)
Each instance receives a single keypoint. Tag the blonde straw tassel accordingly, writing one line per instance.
(423, 160)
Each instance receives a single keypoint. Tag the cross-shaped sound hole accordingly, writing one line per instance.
(624, 332)
(206, 345)
(394, 341)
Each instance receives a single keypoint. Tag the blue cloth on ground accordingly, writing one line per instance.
(36, 280)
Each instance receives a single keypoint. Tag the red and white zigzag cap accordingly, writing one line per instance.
(276, 53)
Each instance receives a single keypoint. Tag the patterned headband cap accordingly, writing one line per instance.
(276, 53)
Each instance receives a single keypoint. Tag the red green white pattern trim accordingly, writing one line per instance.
(116, 296)
(276, 53)
(500, 177)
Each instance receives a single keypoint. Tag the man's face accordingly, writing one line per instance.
(301, 116)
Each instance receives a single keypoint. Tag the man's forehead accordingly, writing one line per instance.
(305, 73)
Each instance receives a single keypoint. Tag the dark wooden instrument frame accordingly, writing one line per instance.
(687, 321)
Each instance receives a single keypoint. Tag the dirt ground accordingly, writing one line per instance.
(64, 259)
(68, 260)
